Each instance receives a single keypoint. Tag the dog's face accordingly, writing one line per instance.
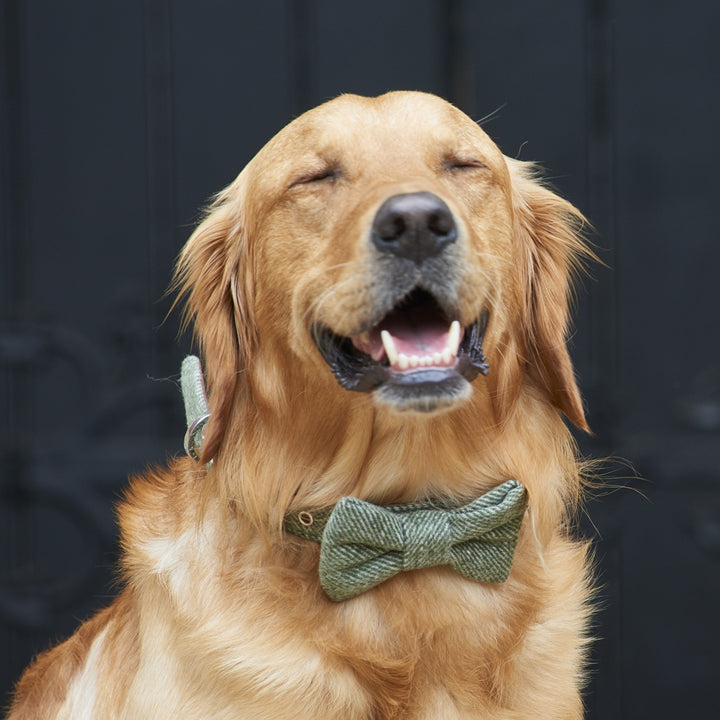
(388, 226)
(388, 242)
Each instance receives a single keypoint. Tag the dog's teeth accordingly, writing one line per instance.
(400, 361)
(453, 341)
(389, 345)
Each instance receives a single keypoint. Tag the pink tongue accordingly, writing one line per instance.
(408, 341)
(415, 339)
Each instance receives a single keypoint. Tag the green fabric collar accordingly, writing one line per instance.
(196, 409)
(362, 545)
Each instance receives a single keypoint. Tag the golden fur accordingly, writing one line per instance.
(222, 615)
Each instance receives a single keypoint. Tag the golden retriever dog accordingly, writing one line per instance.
(381, 300)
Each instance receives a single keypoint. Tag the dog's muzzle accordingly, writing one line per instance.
(418, 356)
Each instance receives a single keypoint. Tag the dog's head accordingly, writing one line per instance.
(384, 251)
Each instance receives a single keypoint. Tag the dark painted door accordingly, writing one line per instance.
(119, 120)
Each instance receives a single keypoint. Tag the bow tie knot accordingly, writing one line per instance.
(363, 544)
(428, 540)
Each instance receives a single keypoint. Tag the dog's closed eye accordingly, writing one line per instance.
(463, 163)
(326, 173)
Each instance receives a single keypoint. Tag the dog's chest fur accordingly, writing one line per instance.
(216, 623)
(247, 629)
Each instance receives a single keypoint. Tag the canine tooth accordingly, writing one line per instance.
(403, 361)
(389, 345)
(453, 341)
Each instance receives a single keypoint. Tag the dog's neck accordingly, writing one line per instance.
(272, 467)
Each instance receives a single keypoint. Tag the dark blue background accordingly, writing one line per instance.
(118, 121)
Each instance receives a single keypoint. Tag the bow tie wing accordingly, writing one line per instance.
(486, 532)
(362, 545)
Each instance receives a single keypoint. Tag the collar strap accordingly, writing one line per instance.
(362, 545)
(196, 408)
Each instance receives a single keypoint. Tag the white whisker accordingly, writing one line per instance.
(493, 257)
(491, 115)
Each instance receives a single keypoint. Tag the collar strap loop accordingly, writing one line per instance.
(196, 408)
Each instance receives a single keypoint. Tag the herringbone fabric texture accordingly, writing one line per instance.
(363, 544)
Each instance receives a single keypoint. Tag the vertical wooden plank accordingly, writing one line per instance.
(529, 67)
(669, 112)
(86, 134)
(15, 386)
(13, 179)
(161, 226)
(232, 92)
(597, 342)
(599, 319)
(375, 46)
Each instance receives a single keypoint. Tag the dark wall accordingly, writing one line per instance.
(119, 120)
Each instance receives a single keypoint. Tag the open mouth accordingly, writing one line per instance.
(415, 358)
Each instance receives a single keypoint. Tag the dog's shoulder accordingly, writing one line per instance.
(66, 679)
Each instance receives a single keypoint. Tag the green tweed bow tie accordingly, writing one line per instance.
(363, 545)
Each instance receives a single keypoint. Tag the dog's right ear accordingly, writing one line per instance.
(554, 252)
(212, 275)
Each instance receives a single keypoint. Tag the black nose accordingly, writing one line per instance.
(414, 226)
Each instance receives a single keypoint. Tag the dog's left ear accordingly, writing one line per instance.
(549, 233)
(212, 274)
